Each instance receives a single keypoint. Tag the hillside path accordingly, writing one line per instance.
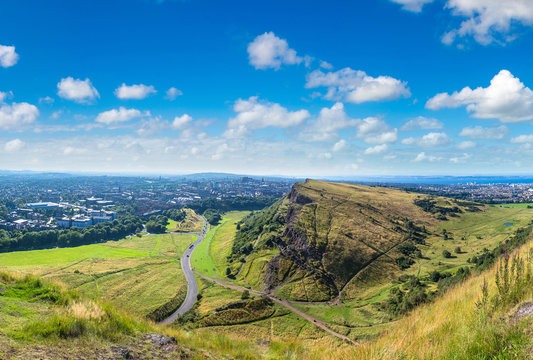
(192, 285)
(284, 303)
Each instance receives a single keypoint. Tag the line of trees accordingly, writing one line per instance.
(110, 230)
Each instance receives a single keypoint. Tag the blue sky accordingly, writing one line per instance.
(304, 88)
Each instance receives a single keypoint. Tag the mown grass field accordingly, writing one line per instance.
(209, 257)
(138, 274)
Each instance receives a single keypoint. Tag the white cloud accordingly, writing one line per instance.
(269, 51)
(13, 145)
(46, 100)
(412, 5)
(506, 99)
(378, 149)
(252, 114)
(489, 20)
(118, 115)
(522, 139)
(80, 91)
(466, 145)
(136, 92)
(8, 56)
(328, 123)
(356, 86)
(422, 123)
(432, 139)
(339, 145)
(151, 126)
(460, 159)
(16, 115)
(5, 95)
(479, 132)
(173, 93)
(375, 131)
(180, 121)
(423, 157)
(326, 65)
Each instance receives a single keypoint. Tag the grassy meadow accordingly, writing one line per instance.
(209, 257)
(138, 274)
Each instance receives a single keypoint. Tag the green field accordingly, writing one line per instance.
(138, 274)
(209, 257)
(521, 205)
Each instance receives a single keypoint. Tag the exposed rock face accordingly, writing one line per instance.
(160, 340)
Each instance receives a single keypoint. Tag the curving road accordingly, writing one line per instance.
(192, 285)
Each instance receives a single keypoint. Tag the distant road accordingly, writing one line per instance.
(192, 285)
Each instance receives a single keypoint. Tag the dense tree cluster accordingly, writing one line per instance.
(175, 214)
(157, 224)
(240, 203)
(212, 216)
(110, 230)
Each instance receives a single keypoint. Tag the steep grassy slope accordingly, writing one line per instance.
(351, 243)
(331, 236)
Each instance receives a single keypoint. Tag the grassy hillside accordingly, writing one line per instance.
(140, 274)
(41, 320)
(342, 252)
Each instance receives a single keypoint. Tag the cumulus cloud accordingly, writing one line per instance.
(119, 115)
(328, 123)
(270, 51)
(339, 145)
(422, 123)
(432, 139)
(506, 99)
(356, 86)
(466, 145)
(8, 56)
(480, 132)
(13, 145)
(80, 91)
(173, 93)
(253, 114)
(488, 21)
(5, 95)
(136, 92)
(16, 115)
(375, 131)
(181, 121)
(378, 149)
(412, 5)
(423, 157)
(522, 139)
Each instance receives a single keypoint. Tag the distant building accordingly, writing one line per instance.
(43, 205)
(92, 217)
(20, 224)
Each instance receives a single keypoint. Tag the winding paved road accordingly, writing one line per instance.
(192, 285)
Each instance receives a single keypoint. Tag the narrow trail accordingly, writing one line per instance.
(192, 285)
(284, 303)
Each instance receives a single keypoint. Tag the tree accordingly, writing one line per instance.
(245, 295)
(446, 254)
(228, 271)
(457, 250)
